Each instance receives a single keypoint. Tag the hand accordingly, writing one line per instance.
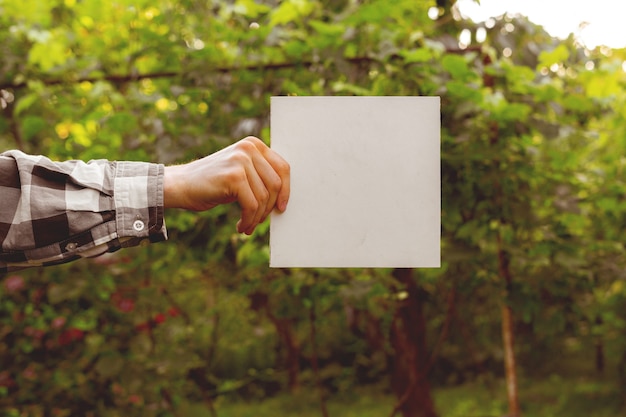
(247, 172)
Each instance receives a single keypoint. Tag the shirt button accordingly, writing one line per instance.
(138, 225)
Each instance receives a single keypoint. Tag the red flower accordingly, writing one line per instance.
(126, 305)
(134, 399)
(14, 283)
(34, 333)
(173, 312)
(58, 322)
(6, 380)
(70, 335)
(29, 373)
(143, 327)
(159, 318)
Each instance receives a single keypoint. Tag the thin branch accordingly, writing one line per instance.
(127, 78)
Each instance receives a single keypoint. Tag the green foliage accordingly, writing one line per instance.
(532, 170)
(551, 396)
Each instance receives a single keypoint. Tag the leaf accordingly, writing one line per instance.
(66, 291)
(327, 29)
(417, 55)
(607, 204)
(296, 48)
(376, 11)
(250, 8)
(25, 102)
(556, 56)
(342, 87)
(32, 11)
(509, 112)
(122, 122)
(49, 54)
(230, 385)
(578, 103)
(86, 321)
(109, 366)
(290, 10)
(604, 85)
(463, 91)
(32, 125)
(457, 66)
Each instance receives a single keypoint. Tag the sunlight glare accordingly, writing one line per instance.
(433, 13)
(481, 35)
(465, 38)
(593, 23)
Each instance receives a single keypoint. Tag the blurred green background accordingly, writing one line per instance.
(525, 317)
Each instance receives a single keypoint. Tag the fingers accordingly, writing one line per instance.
(248, 172)
(253, 211)
(249, 208)
(267, 185)
(282, 169)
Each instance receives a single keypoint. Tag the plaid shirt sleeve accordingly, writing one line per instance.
(56, 212)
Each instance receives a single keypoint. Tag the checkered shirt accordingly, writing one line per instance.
(55, 212)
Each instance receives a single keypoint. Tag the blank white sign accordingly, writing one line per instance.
(365, 182)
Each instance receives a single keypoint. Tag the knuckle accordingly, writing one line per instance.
(283, 167)
(241, 157)
(245, 147)
(264, 196)
(275, 183)
(235, 176)
(251, 208)
(252, 141)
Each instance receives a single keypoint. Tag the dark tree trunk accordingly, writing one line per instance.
(599, 349)
(409, 364)
(284, 327)
(259, 301)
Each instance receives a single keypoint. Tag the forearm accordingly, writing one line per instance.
(54, 212)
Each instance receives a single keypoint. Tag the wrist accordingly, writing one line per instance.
(173, 186)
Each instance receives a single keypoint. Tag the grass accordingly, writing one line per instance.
(552, 397)
(305, 405)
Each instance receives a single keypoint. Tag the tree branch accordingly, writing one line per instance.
(126, 78)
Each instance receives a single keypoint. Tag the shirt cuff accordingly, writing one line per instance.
(138, 198)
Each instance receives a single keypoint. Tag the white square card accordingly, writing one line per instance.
(365, 182)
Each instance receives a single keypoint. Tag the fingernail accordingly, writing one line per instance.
(283, 205)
